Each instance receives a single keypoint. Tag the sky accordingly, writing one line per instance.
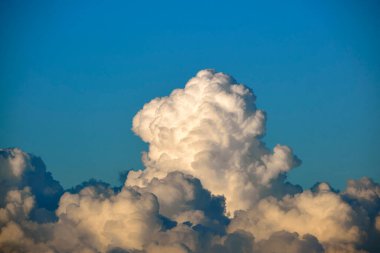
(74, 73)
(228, 116)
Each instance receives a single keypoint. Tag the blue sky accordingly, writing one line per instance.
(74, 73)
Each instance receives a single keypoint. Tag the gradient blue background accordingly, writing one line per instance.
(74, 73)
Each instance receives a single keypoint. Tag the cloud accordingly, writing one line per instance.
(210, 185)
(286, 242)
(105, 219)
(182, 198)
(212, 130)
(323, 214)
(236, 242)
(18, 170)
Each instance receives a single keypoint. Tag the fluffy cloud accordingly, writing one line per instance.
(17, 232)
(104, 220)
(286, 242)
(211, 129)
(363, 195)
(210, 185)
(18, 170)
(182, 198)
(323, 214)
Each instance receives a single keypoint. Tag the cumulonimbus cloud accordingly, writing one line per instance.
(209, 185)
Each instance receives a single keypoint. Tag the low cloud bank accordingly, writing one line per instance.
(209, 185)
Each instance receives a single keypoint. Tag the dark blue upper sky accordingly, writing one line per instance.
(74, 73)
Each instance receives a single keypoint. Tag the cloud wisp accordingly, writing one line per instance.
(210, 184)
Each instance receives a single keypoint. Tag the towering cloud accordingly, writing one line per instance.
(210, 185)
(211, 129)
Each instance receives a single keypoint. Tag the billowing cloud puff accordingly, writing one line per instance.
(363, 195)
(104, 220)
(19, 204)
(323, 214)
(286, 242)
(18, 170)
(210, 186)
(182, 198)
(211, 129)
(17, 232)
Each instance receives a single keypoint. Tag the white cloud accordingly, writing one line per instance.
(18, 170)
(106, 220)
(205, 155)
(322, 214)
(211, 129)
(182, 198)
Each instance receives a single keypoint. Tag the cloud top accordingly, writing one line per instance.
(212, 130)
